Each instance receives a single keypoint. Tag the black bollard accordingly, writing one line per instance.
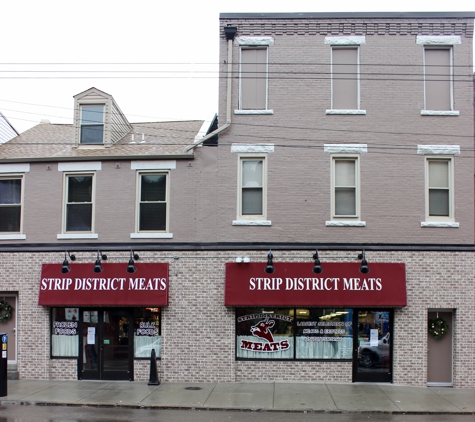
(153, 380)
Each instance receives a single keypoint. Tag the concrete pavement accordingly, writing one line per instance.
(255, 396)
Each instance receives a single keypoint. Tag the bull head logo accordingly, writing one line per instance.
(261, 329)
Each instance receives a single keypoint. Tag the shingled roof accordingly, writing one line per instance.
(55, 142)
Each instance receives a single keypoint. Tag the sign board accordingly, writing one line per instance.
(114, 286)
(294, 284)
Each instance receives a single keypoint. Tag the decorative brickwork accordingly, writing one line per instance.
(311, 26)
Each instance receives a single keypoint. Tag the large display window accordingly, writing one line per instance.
(66, 325)
(294, 333)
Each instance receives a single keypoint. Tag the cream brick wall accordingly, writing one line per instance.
(198, 331)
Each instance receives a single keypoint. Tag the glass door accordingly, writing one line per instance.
(106, 344)
(372, 353)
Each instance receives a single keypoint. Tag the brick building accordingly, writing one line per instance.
(313, 236)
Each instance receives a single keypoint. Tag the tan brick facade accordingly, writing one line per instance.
(198, 330)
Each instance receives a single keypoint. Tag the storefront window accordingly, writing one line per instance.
(147, 332)
(294, 333)
(324, 333)
(65, 332)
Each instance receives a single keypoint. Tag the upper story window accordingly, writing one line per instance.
(439, 189)
(78, 208)
(438, 74)
(92, 124)
(345, 75)
(345, 184)
(152, 203)
(252, 184)
(345, 190)
(439, 185)
(11, 199)
(253, 75)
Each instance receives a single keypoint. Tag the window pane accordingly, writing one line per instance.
(324, 333)
(153, 216)
(437, 78)
(10, 219)
(264, 333)
(253, 79)
(92, 114)
(92, 134)
(252, 201)
(79, 217)
(344, 78)
(10, 191)
(64, 332)
(153, 187)
(147, 332)
(345, 173)
(79, 188)
(439, 202)
(439, 174)
(252, 173)
(345, 201)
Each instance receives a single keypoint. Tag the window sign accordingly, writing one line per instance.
(64, 333)
(298, 333)
(91, 335)
(147, 332)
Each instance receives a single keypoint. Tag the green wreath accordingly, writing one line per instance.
(438, 328)
(5, 311)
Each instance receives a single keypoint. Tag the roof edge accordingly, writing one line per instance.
(98, 158)
(350, 15)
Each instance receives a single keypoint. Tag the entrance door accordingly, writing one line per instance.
(372, 351)
(439, 353)
(107, 347)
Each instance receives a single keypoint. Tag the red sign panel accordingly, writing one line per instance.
(114, 286)
(294, 284)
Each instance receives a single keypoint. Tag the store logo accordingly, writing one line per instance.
(262, 330)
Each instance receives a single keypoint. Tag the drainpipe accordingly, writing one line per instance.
(230, 32)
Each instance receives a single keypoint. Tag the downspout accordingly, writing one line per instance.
(230, 32)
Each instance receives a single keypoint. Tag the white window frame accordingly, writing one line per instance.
(353, 42)
(254, 43)
(78, 233)
(350, 218)
(81, 124)
(15, 234)
(440, 219)
(254, 219)
(150, 233)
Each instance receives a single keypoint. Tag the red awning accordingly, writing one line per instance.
(114, 286)
(294, 284)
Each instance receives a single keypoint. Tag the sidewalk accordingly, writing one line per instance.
(255, 396)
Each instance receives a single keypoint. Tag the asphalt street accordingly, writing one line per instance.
(18, 413)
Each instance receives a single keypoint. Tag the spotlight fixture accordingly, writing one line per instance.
(97, 265)
(66, 268)
(269, 269)
(238, 260)
(364, 269)
(131, 267)
(246, 260)
(317, 269)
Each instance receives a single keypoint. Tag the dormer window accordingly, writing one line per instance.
(92, 124)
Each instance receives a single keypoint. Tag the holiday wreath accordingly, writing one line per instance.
(5, 311)
(438, 328)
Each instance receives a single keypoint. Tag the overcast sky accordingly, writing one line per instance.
(157, 58)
